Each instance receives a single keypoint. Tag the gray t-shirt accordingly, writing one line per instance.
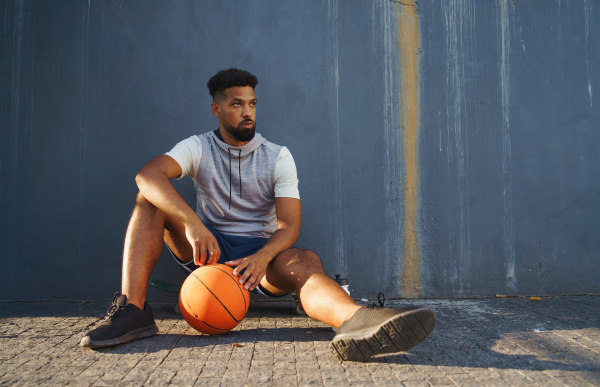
(237, 186)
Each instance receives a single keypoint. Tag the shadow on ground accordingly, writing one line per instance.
(555, 334)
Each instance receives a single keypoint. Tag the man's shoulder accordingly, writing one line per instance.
(192, 138)
(202, 135)
(196, 139)
(271, 147)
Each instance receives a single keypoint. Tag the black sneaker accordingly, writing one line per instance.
(373, 331)
(123, 322)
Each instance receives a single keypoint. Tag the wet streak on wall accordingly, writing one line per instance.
(337, 228)
(507, 221)
(587, 22)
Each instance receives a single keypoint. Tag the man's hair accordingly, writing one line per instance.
(225, 79)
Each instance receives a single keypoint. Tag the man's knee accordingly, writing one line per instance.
(143, 205)
(290, 268)
(306, 260)
(141, 201)
(311, 259)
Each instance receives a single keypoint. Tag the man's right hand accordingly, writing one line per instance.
(205, 246)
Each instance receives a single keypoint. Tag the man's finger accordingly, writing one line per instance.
(256, 283)
(210, 257)
(196, 257)
(258, 280)
(246, 275)
(251, 280)
(234, 263)
(216, 253)
(202, 255)
(241, 265)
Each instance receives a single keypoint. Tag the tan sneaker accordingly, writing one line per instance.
(374, 331)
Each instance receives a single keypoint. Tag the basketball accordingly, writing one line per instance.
(212, 300)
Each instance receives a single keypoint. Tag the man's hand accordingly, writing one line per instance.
(256, 268)
(288, 230)
(205, 246)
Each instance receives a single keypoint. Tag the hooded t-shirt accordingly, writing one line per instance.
(236, 186)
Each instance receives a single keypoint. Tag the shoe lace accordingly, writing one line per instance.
(113, 308)
(380, 301)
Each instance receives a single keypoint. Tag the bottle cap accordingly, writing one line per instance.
(341, 281)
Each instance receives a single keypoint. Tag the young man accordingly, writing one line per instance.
(248, 217)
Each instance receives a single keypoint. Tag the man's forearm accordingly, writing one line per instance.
(281, 240)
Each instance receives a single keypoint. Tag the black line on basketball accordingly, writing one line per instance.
(234, 280)
(217, 298)
(221, 329)
(188, 304)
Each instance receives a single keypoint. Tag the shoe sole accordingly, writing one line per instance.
(398, 333)
(139, 333)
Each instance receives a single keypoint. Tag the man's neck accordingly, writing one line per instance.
(217, 133)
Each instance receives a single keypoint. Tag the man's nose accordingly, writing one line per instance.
(247, 111)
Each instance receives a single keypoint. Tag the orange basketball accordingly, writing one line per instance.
(212, 300)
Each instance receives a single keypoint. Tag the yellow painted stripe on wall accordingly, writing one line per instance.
(408, 43)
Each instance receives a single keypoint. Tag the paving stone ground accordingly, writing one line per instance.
(499, 342)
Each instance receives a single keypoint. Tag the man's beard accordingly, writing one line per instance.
(240, 134)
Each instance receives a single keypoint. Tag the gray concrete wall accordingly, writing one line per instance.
(510, 189)
(443, 149)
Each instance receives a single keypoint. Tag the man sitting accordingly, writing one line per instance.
(248, 217)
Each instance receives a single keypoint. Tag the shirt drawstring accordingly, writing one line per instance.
(229, 151)
(239, 173)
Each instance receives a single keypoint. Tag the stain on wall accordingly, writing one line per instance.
(388, 253)
(408, 46)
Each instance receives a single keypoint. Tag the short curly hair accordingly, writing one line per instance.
(225, 79)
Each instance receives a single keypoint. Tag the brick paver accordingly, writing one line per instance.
(499, 342)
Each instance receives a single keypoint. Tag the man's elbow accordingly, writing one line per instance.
(292, 232)
(295, 233)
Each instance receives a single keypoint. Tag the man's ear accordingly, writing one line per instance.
(215, 108)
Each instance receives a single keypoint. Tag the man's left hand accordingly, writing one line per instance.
(256, 268)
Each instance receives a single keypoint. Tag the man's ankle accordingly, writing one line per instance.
(137, 302)
(350, 313)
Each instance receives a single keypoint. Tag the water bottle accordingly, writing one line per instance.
(343, 282)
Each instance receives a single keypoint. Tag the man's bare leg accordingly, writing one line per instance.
(143, 246)
(148, 228)
(321, 297)
(128, 318)
(366, 332)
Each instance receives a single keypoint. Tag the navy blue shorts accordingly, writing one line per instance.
(232, 248)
